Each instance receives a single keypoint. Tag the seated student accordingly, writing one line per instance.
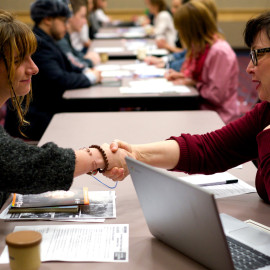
(99, 7)
(240, 141)
(80, 40)
(176, 59)
(163, 21)
(148, 18)
(93, 22)
(211, 65)
(26, 168)
(74, 25)
(163, 44)
(56, 73)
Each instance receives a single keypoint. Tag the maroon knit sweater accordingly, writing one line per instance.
(238, 142)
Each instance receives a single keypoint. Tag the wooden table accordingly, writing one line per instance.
(134, 32)
(124, 48)
(82, 129)
(102, 97)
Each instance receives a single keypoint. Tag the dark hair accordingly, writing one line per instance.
(255, 25)
(41, 9)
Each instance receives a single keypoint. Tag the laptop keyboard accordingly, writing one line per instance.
(245, 257)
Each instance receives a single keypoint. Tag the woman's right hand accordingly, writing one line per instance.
(172, 75)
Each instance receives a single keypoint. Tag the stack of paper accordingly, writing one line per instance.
(152, 86)
(108, 49)
(141, 70)
(220, 184)
(102, 206)
(134, 45)
(107, 35)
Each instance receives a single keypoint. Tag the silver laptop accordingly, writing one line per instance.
(186, 218)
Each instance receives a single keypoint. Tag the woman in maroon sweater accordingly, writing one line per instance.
(245, 139)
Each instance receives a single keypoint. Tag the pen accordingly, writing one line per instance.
(231, 181)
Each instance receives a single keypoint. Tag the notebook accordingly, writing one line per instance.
(186, 218)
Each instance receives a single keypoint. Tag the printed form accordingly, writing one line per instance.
(215, 184)
(80, 243)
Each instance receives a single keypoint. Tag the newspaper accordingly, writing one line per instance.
(101, 206)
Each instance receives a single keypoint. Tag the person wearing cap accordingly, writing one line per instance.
(56, 72)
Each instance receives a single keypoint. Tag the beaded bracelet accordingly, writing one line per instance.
(104, 158)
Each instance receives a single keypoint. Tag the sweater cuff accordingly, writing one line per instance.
(263, 140)
(90, 76)
(183, 164)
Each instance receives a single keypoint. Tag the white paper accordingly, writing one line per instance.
(157, 85)
(139, 69)
(150, 71)
(108, 49)
(133, 35)
(134, 66)
(159, 52)
(81, 243)
(134, 45)
(116, 73)
(223, 190)
(199, 179)
(107, 35)
(107, 67)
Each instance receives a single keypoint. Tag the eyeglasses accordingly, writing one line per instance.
(255, 53)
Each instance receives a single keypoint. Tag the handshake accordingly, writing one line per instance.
(162, 154)
(116, 153)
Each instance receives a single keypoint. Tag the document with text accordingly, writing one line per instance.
(80, 243)
(156, 85)
(219, 184)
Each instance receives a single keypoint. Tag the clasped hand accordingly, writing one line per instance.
(116, 153)
(178, 78)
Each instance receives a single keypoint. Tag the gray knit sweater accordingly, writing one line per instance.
(29, 169)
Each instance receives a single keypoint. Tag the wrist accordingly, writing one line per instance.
(100, 163)
(102, 159)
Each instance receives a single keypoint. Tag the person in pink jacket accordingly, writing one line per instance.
(245, 139)
(211, 64)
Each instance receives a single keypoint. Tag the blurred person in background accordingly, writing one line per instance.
(211, 64)
(163, 27)
(99, 10)
(75, 25)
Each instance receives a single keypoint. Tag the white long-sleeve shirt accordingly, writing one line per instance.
(164, 27)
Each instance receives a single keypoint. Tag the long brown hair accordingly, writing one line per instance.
(196, 26)
(16, 39)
